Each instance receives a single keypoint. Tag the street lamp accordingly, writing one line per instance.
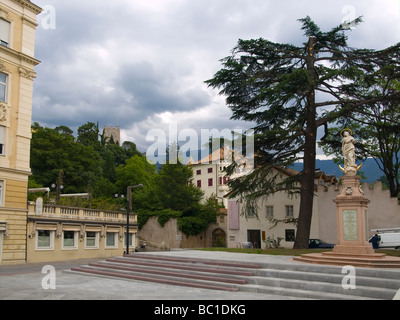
(58, 190)
(128, 204)
(119, 198)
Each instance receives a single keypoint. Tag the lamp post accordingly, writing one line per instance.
(58, 188)
(59, 185)
(119, 200)
(128, 205)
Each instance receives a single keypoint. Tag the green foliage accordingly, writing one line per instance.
(163, 216)
(192, 225)
(105, 169)
(87, 165)
(136, 170)
(174, 189)
(52, 151)
(199, 219)
(377, 132)
(88, 135)
(271, 242)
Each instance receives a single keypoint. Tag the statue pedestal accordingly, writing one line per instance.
(353, 247)
(352, 219)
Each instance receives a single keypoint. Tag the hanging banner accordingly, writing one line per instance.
(233, 207)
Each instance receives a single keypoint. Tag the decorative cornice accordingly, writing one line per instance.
(20, 172)
(27, 4)
(20, 55)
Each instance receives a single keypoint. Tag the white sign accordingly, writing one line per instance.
(39, 206)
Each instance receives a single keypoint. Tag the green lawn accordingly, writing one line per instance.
(290, 252)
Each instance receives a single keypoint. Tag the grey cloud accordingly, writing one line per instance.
(125, 61)
(155, 90)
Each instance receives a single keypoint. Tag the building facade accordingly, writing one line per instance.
(57, 233)
(17, 62)
(209, 173)
(275, 219)
(276, 214)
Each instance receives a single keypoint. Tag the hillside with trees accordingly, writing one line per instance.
(89, 164)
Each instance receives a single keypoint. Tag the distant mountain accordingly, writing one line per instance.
(369, 170)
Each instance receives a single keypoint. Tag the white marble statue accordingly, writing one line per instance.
(349, 154)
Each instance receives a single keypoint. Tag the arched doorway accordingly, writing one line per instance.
(219, 238)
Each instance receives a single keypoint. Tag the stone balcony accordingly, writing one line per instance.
(55, 212)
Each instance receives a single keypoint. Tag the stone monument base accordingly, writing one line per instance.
(369, 260)
(353, 249)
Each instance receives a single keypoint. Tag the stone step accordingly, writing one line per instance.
(303, 281)
(299, 287)
(181, 266)
(324, 287)
(371, 281)
(168, 272)
(301, 294)
(194, 261)
(329, 269)
(381, 261)
(151, 278)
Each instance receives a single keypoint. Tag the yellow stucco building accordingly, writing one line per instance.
(17, 62)
(57, 233)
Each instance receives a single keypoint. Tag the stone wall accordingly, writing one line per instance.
(169, 236)
(383, 211)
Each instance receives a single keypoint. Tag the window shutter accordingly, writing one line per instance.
(4, 31)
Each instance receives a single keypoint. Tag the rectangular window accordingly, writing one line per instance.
(289, 235)
(2, 140)
(69, 240)
(198, 172)
(210, 170)
(199, 183)
(3, 87)
(289, 211)
(210, 182)
(5, 33)
(45, 240)
(269, 212)
(92, 240)
(130, 239)
(111, 241)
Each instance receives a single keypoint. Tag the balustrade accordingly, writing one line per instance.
(81, 213)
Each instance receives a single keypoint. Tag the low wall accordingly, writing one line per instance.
(169, 237)
(383, 211)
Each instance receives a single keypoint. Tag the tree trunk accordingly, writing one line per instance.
(308, 175)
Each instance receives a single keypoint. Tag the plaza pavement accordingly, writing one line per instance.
(24, 282)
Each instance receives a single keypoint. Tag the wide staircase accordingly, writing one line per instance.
(302, 281)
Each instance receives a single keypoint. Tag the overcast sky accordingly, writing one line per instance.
(142, 64)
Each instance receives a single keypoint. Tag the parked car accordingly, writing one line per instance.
(389, 240)
(319, 244)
